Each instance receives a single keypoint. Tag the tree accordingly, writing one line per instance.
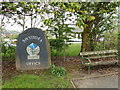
(20, 11)
(95, 17)
(55, 21)
(103, 13)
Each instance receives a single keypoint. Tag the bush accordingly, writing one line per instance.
(57, 71)
(57, 45)
(110, 41)
(8, 51)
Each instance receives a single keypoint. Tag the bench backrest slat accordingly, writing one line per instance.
(98, 52)
(107, 56)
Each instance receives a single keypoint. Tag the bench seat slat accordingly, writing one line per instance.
(102, 63)
(98, 52)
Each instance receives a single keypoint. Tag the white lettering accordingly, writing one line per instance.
(33, 63)
(31, 37)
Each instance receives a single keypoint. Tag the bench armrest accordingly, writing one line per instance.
(83, 60)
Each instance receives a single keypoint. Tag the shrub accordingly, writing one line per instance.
(57, 70)
(8, 52)
(57, 45)
(110, 41)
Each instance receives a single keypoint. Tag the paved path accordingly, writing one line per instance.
(110, 81)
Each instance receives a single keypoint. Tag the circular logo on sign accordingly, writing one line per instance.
(33, 49)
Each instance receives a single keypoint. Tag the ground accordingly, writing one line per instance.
(106, 81)
(71, 63)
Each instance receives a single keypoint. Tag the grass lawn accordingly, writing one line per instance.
(71, 50)
(34, 81)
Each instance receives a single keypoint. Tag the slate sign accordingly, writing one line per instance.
(33, 50)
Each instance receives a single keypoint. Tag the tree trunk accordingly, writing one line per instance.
(91, 44)
(86, 37)
(92, 41)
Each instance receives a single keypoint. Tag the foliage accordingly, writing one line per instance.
(8, 51)
(57, 71)
(94, 17)
(20, 11)
(110, 41)
(56, 26)
(58, 45)
(33, 81)
(51, 16)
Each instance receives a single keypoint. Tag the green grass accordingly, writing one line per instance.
(71, 50)
(34, 81)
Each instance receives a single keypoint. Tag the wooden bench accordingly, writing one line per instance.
(88, 58)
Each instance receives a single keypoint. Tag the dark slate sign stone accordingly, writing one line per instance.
(33, 50)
